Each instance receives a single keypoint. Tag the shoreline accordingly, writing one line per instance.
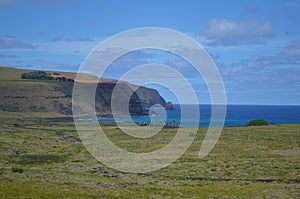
(67, 119)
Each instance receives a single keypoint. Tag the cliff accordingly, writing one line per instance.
(55, 95)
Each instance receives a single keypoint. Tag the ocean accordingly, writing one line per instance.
(236, 115)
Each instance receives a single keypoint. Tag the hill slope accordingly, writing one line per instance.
(31, 95)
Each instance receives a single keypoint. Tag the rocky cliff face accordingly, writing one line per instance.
(27, 95)
(139, 98)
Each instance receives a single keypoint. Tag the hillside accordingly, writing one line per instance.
(51, 96)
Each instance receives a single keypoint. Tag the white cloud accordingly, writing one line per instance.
(277, 74)
(228, 32)
(66, 47)
(72, 39)
(260, 72)
(4, 56)
(11, 42)
(53, 65)
(293, 49)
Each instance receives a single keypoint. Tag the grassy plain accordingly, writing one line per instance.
(247, 162)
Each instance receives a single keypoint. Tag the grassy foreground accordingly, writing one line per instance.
(49, 161)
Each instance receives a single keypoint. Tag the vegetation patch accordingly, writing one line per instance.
(42, 75)
(42, 158)
(258, 122)
(10, 107)
(17, 170)
(37, 109)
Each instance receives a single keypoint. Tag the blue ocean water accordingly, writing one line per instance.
(236, 115)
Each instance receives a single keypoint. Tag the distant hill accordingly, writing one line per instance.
(55, 95)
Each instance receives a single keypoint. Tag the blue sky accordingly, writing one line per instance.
(255, 44)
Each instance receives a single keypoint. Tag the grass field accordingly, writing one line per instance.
(42, 159)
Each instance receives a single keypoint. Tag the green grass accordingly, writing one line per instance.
(10, 74)
(247, 162)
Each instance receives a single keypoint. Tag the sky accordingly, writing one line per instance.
(254, 44)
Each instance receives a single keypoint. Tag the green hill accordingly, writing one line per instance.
(55, 95)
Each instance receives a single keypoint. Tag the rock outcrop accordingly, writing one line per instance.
(32, 95)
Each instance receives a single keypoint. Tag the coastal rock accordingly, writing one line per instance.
(43, 95)
(169, 106)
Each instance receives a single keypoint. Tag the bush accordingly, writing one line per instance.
(41, 75)
(9, 107)
(37, 109)
(258, 122)
(17, 170)
(43, 109)
(33, 108)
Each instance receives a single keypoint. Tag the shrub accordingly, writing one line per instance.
(9, 107)
(17, 170)
(258, 122)
(33, 108)
(41, 75)
(43, 109)
(37, 109)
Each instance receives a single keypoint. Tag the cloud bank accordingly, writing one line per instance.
(11, 42)
(225, 32)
